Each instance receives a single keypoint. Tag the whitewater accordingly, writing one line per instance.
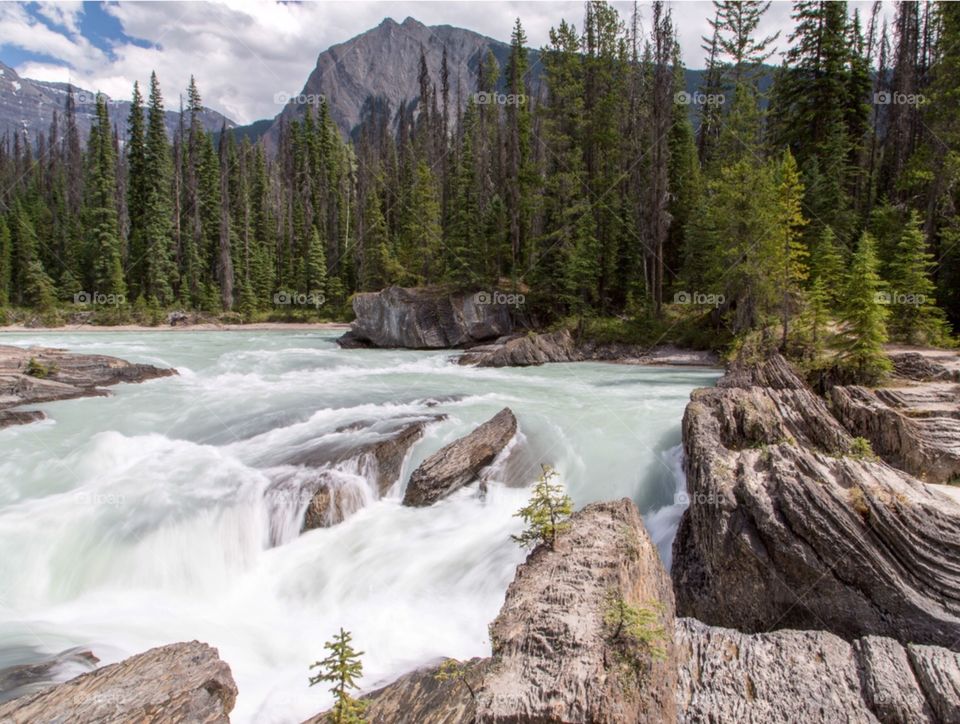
(144, 518)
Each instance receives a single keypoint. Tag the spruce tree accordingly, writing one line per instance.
(158, 262)
(917, 319)
(863, 322)
(342, 667)
(828, 264)
(6, 263)
(105, 254)
(137, 187)
(316, 281)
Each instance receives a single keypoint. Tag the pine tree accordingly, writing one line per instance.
(548, 512)
(316, 281)
(158, 263)
(793, 253)
(811, 331)
(104, 227)
(6, 263)
(137, 186)
(917, 318)
(863, 323)
(828, 264)
(342, 667)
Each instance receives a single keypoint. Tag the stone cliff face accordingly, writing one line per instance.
(383, 63)
(788, 528)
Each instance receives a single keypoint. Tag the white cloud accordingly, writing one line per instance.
(244, 52)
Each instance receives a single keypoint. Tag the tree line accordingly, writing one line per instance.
(590, 179)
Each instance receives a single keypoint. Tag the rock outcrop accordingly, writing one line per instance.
(558, 655)
(913, 427)
(788, 528)
(38, 374)
(460, 462)
(329, 501)
(425, 318)
(815, 676)
(184, 682)
(536, 349)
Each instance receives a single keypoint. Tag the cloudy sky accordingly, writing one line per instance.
(245, 52)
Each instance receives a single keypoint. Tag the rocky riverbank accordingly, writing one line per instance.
(486, 328)
(30, 376)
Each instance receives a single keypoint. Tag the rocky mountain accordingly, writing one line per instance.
(383, 64)
(27, 106)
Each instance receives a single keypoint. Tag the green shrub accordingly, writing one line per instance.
(548, 512)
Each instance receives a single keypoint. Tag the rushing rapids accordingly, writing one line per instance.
(171, 511)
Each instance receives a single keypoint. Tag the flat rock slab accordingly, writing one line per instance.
(460, 462)
(184, 682)
(64, 376)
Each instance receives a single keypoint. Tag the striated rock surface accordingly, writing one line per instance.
(524, 351)
(425, 318)
(460, 462)
(787, 529)
(65, 376)
(915, 428)
(184, 682)
(926, 366)
(791, 676)
(554, 657)
(537, 349)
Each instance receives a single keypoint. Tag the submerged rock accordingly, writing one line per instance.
(460, 462)
(425, 318)
(788, 528)
(56, 374)
(184, 682)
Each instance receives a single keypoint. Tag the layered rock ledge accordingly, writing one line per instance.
(39, 374)
(461, 462)
(790, 526)
(184, 682)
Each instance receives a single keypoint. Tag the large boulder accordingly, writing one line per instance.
(39, 374)
(790, 526)
(184, 682)
(426, 318)
(790, 676)
(460, 462)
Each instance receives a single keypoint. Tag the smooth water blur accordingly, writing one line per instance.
(141, 519)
